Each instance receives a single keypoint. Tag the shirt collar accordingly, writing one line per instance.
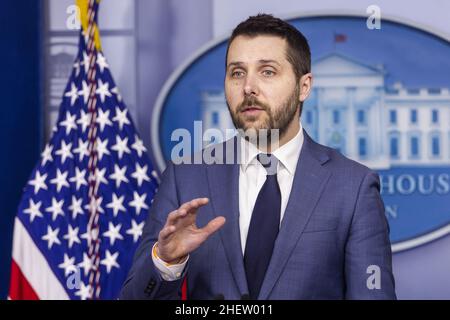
(287, 154)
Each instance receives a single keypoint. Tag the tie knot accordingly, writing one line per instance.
(269, 162)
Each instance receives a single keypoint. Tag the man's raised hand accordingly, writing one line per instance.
(180, 235)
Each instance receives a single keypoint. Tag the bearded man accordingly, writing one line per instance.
(287, 219)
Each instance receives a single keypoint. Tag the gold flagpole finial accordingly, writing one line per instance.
(83, 5)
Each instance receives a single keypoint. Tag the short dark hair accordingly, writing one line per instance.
(298, 51)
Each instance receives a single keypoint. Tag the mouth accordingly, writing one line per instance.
(252, 110)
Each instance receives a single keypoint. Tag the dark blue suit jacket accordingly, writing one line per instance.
(334, 229)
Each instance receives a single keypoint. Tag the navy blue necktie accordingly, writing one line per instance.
(264, 226)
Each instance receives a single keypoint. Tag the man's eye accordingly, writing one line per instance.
(268, 73)
(237, 74)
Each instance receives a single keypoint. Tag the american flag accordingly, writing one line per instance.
(83, 210)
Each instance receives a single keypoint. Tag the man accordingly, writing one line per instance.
(288, 220)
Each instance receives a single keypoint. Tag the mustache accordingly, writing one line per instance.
(251, 101)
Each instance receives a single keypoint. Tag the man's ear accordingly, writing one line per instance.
(305, 86)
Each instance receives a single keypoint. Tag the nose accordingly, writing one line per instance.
(251, 85)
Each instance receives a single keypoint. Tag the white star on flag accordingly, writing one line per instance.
(56, 208)
(38, 182)
(138, 145)
(69, 123)
(100, 176)
(84, 120)
(85, 62)
(121, 146)
(86, 264)
(113, 233)
(75, 207)
(116, 204)
(60, 180)
(102, 148)
(51, 237)
(34, 210)
(88, 237)
(47, 154)
(140, 174)
(85, 291)
(85, 91)
(64, 152)
(79, 178)
(97, 203)
(103, 119)
(110, 261)
(135, 230)
(119, 175)
(103, 90)
(138, 202)
(72, 236)
(68, 265)
(82, 149)
(121, 117)
(76, 66)
(73, 94)
(101, 61)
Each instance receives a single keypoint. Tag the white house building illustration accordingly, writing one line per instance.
(350, 109)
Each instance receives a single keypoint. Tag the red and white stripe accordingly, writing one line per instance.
(31, 276)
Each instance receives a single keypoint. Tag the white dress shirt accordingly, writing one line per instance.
(252, 176)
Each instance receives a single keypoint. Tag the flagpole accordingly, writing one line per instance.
(93, 227)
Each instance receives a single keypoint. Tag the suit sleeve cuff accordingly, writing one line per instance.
(169, 272)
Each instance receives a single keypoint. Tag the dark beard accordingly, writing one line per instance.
(275, 120)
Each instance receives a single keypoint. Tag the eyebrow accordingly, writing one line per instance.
(262, 61)
(269, 61)
(235, 64)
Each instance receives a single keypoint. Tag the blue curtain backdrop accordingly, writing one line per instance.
(20, 113)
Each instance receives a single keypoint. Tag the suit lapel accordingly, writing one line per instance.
(224, 186)
(309, 182)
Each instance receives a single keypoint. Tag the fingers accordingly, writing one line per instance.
(209, 229)
(188, 207)
(214, 225)
(166, 232)
(194, 204)
(184, 209)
